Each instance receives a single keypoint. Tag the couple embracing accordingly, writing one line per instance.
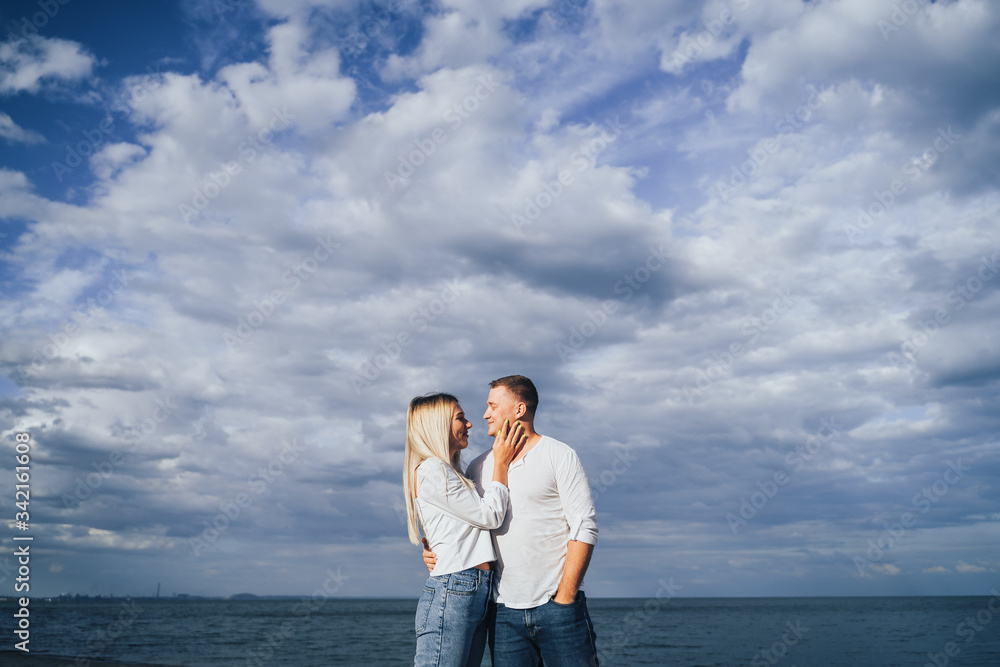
(507, 543)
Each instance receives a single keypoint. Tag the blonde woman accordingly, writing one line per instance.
(451, 614)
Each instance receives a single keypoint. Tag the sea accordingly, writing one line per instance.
(695, 632)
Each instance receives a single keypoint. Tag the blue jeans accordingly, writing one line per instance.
(558, 635)
(451, 619)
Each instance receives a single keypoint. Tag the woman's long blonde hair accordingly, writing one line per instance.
(428, 427)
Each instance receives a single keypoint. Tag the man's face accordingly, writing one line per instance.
(501, 404)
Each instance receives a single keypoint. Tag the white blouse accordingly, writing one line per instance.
(456, 521)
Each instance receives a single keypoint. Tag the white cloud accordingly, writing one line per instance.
(326, 264)
(26, 64)
(110, 159)
(966, 568)
(299, 8)
(307, 83)
(453, 39)
(13, 133)
(841, 40)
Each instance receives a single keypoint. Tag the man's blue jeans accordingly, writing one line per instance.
(558, 635)
(451, 619)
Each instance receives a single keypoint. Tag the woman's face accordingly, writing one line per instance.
(458, 435)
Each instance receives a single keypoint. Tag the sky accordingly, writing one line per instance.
(746, 250)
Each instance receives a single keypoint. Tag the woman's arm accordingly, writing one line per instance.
(439, 486)
(449, 494)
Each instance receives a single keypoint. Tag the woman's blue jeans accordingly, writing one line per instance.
(451, 619)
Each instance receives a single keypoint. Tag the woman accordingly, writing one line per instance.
(451, 613)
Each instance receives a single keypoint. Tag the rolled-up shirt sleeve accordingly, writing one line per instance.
(439, 485)
(576, 498)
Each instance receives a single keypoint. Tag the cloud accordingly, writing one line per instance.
(842, 41)
(966, 568)
(309, 83)
(452, 39)
(13, 133)
(288, 249)
(25, 64)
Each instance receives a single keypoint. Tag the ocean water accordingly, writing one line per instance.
(694, 632)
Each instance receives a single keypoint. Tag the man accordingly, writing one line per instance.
(543, 547)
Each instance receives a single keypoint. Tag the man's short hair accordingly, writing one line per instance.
(522, 388)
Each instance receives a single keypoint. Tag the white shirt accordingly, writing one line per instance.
(456, 521)
(550, 504)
